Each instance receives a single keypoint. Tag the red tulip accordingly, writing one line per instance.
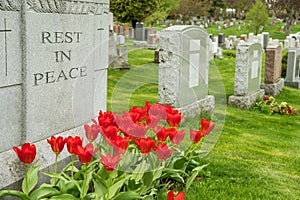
(91, 132)
(162, 134)
(174, 119)
(206, 127)
(152, 120)
(196, 136)
(110, 131)
(120, 144)
(145, 144)
(57, 144)
(176, 136)
(180, 195)
(85, 154)
(110, 162)
(27, 153)
(137, 114)
(157, 110)
(72, 143)
(163, 152)
(106, 119)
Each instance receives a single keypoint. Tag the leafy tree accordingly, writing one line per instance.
(241, 6)
(216, 6)
(190, 8)
(163, 11)
(132, 11)
(289, 9)
(257, 16)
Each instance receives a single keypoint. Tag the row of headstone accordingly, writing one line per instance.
(53, 76)
(145, 37)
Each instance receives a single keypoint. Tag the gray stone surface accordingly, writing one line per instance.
(139, 34)
(273, 89)
(183, 68)
(248, 68)
(53, 72)
(247, 75)
(245, 102)
(293, 69)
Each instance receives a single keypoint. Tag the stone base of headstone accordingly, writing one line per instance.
(151, 46)
(245, 102)
(119, 64)
(273, 89)
(139, 44)
(205, 105)
(293, 84)
(12, 172)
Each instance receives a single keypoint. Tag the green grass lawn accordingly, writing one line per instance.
(257, 156)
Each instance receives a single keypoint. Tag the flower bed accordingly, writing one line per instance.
(140, 154)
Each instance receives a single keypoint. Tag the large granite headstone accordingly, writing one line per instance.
(183, 69)
(293, 69)
(247, 75)
(54, 60)
(273, 83)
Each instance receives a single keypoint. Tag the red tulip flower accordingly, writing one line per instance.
(120, 144)
(106, 119)
(110, 162)
(163, 152)
(174, 119)
(176, 136)
(145, 144)
(162, 134)
(180, 195)
(91, 132)
(27, 153)
(206, 128)
(72, 143)
(85, 154)
(57, 144)
(152, 120)
(137, 114)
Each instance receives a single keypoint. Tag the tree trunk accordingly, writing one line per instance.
(288, 26)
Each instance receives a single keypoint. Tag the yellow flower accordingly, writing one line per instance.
(272, 99)
(283, 104)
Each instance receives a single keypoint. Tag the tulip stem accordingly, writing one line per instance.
(55, 167)
(26, 178)
(72, 171)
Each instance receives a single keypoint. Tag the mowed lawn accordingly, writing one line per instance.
(257, 156)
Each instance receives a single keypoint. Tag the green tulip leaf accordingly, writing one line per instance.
(15, 193)
(64, 197)
(115, 188)
(190, 180)
(44, 192)
(100, 185)
(86, 183)
(30, 179)
(70, 188)
(127, 195)
(148, 179)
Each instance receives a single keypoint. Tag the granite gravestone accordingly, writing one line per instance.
(273, 83)
(54, 63)
(293, 69)
(247, 75)
(183, 69)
